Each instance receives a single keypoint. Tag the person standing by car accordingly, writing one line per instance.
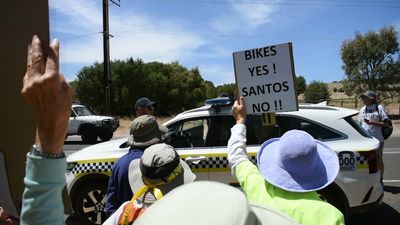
(145, 132)
(372, 118)
(290, 171)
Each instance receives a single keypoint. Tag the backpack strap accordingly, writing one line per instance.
(377, 109)
(131, 212)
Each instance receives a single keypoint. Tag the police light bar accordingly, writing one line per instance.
(220, 101)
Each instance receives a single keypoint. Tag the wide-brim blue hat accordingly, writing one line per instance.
(297, 162)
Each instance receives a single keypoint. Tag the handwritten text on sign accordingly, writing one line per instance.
(265, 77)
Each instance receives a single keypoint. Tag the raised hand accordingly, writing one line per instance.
(49, 95)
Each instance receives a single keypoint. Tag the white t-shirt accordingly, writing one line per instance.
(370, 113)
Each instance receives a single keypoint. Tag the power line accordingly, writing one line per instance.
(174, 33)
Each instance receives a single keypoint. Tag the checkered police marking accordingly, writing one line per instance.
(362, 160)
(95, 167)
(215, 162)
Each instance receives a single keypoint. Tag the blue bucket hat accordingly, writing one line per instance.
(297, 162)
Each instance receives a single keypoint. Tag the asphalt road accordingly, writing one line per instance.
(387, 214)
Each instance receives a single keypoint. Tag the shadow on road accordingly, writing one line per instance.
(385, 214)
(392, 189)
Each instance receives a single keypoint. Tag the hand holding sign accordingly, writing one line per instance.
(239, 111)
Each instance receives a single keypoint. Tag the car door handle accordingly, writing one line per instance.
(195, 159)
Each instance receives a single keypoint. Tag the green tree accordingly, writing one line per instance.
(174, 87)
(211, 91)
(316, 92)
(229, 89)
(300, 85)
(369, 63)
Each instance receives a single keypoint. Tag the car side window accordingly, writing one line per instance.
(72, 114)
(257, 133)
(187, 134)
(318, 131)
(219, 130)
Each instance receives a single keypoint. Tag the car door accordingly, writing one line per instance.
(188, 138)
(218, 136)
(73, 123)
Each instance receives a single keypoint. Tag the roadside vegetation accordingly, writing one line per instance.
(370, 61)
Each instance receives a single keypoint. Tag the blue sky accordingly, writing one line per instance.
(205, 33)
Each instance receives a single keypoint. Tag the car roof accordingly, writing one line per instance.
(316, 112)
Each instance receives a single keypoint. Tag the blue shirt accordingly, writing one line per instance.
(119, 190)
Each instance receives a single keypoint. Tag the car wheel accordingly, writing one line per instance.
(89, 135)
(90, 203)
(105, 136)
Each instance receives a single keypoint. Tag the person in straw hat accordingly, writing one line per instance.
(145, 131)
(157, 172)
(290, 171)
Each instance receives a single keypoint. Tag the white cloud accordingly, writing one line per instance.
(245, 14)
(135, 35)
(254, 14)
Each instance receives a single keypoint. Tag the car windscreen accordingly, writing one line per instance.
(82, 111)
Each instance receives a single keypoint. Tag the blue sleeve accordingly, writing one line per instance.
(44, 181)
(112, 195)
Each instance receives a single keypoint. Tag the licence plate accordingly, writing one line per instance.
(347, 160)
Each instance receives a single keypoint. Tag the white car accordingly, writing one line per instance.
(200, 136)
(89, 126)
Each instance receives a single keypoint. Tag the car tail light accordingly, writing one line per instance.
(372, 157)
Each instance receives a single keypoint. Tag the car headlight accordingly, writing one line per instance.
(70, 166)
(99, 123)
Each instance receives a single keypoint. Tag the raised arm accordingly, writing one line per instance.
(50, 97)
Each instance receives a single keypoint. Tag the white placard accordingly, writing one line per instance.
(265, 77)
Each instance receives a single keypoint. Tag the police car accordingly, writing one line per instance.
(200, 137)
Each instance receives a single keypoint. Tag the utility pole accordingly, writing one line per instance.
(106, 63)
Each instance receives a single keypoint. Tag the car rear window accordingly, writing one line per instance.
(318, 131)
(356, 125)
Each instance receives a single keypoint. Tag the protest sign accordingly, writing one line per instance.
(266, 78)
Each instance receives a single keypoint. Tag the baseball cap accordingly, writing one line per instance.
(141, 102)
(369, 94)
